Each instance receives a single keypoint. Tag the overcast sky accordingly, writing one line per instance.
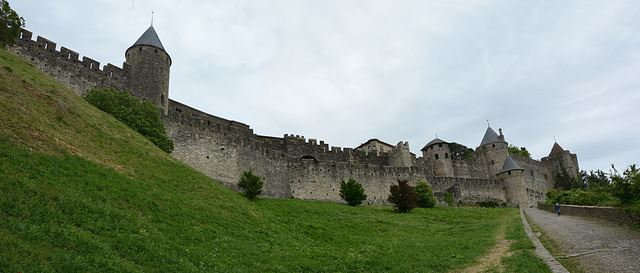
(348, 71)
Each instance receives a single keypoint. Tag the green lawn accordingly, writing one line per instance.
(79, 191)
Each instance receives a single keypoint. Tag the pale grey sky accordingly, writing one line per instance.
(348, 71)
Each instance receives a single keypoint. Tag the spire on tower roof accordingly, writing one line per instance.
(556, 149)
(509, 165)
(490, 136)
(149, 37)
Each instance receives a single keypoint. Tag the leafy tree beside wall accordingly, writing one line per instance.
(141, 116)
(403, 196)
(519, 151)
(10, 24)
(425, 195)
(460, 152)
(251, 184)
(352, 192)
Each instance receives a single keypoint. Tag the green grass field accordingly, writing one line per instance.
(79, 192)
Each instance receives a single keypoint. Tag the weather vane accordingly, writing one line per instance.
(152, 18)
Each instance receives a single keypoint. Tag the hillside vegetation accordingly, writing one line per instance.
(80, 191)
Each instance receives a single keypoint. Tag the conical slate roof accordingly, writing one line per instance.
(556, 149)
(149, 37)
(509, 165)
(490, 136)
(435, 141)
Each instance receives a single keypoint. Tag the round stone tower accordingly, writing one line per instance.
(512, 175)
(493, 148)
(149, 70)
(438, 154)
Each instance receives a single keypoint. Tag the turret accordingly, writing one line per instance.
(149, 70)
(561, 160)
(512, 176)
(493, 148)
(438, 154)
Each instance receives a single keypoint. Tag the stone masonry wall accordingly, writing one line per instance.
(609, 213)
(321, 181)
(65, 67)
(292, 165)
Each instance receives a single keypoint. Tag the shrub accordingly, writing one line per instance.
(627, 186)
(552, 194)
(425, 195)
(448, 198)
(403, 196)
(488, 204)
(141, 116)
(352, 192)
(251, 184)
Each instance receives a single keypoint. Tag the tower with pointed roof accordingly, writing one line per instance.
(438, 154)
(512, 176)
(561, 160)
(494, 148)
(149, 70)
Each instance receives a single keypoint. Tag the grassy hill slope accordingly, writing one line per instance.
(79, 191)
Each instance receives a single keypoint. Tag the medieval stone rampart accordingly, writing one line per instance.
(293, 166)
(65, 67)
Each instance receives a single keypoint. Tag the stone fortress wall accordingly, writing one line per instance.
(293, 166)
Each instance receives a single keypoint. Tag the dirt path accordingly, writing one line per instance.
(492, 260)
(593, 245)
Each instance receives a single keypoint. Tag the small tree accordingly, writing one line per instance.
(448, 198)
(403, 196)
(352, 192)
(425, 195)
(10, 24)
(459, 151)
(141, 116)
(520, 151)
(251, 184)
(626, 186)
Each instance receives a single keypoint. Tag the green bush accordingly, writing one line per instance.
(403, 196)
(251, 184)
(425, 195)
(352, 192)
(142, 116)
(627, 186)
(488, 204)
(448, 198)
(552, 194)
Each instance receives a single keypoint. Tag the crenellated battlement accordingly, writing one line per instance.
(293, 166)
(65, 65)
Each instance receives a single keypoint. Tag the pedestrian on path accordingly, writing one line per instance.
(558, 208)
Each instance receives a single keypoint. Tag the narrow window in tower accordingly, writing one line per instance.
(436, 156)
(492, 162)
(155, 52)
(140, 50)
(446, 155)
(509, 172)
(440, 145)
(162, 100)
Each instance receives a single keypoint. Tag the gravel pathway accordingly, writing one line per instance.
(596, 245)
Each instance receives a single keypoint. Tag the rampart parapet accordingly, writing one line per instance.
(293, 166)
(65, 66)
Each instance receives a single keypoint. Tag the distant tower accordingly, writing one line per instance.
(438, 154)
(512, 176)
(560, 160)
(493, 148)
(149, 70)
